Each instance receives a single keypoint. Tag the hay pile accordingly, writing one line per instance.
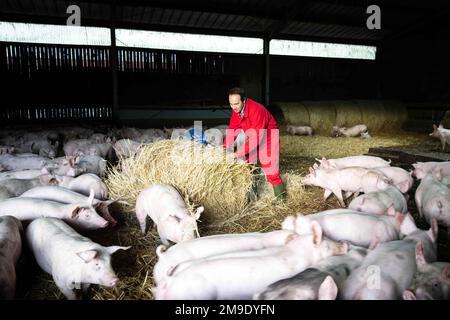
(323, 115)
(204, 176)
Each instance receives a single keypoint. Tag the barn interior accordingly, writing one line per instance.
(398, 87)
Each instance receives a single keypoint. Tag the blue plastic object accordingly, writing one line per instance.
(196, 136)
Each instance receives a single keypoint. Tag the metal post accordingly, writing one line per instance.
(266, 78)
(113, 63)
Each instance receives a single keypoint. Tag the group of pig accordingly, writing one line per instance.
(372, 250)
(53, 198)
(336, 131)
(57, 197)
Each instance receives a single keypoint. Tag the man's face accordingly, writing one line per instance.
(235, 102)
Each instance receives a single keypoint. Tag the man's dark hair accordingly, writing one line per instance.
(238, 91)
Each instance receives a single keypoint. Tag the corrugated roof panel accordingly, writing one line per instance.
(193, 19)
(166, 13)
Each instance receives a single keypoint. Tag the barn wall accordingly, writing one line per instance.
(54, 82)
(416, 70)
(304, 78)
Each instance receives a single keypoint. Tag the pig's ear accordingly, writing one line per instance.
(409, 295)
(433, 231)
(434, 127)
(446, 273)
(160, 250)
(288, 223)
(437, 174)
(420, 258)
(88, 255)
(406, 223)
(374, 243)
(291, 237)
(91, 197)
(44, 170)
(328, 289)
(76, 211)
(112, 249)
(317, 233)
(391, 210)
(198, 212)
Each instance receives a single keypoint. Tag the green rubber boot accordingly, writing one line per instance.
(280, 192)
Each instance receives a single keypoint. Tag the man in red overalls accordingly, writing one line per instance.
(262, 133)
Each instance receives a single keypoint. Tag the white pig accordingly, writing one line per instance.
(21, 174)
(299, 130)
(240, 277)
(421, 169)
(10, 250)
(379, 202)
(126, 148)
(360, 229)
(164, 205)
(431, 281)
(319, 282)
(368, 162)
(74, 261)
(80, 215)
(353, 179)
(213, 245)
(84, 183)
(442, 134)
(12, 162)
(64, 195)
(387, 271)
(401, 178)
(433, 200)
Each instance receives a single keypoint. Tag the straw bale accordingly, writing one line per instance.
(204, 176)
(295, 113)
(348, 113)
(322, 115)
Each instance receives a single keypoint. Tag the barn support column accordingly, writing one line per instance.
(113, 63)
(266, 77)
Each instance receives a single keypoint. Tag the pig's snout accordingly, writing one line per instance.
(114, 282)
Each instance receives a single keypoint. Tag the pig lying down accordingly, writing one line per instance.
(80, 215)
(361, 229)
(10, 250)
(64, 195)
(242, 274)
(421, 169)
(84, 184)
(299, 130)
(380, 201)
(388, 270)
(322, 281)
(358, 130)
(431, 281)
(164, 205)
(204, 247)
(74, 261)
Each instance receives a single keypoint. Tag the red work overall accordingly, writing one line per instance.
(263, 138)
